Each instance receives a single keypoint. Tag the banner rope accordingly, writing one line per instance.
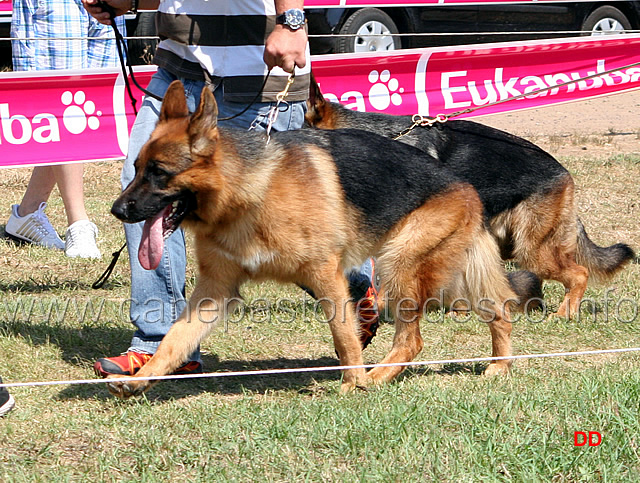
(299, 370)
(554, 33)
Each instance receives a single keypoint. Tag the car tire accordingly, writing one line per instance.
(368, 21)
(141, 51)
(606, 21)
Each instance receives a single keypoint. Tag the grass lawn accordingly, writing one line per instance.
(442, 422)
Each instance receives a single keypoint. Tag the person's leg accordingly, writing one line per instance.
(56, 22)
(28, 222)
(290, 115)
(68, 177)
(158, 296)
(53, 24)
(81, 234)
(69, 180)
(38, 190)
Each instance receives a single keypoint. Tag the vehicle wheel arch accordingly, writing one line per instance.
(354, 17)
(623, 7)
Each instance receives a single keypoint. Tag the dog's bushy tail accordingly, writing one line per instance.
(602, 262)
(485, 278)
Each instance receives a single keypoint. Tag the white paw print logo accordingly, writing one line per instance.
(80, 113)
(383, 92)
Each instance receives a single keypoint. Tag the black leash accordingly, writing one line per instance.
(107, 273)
(122, 48)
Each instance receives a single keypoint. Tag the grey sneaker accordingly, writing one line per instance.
(80, 240)
(33, 228)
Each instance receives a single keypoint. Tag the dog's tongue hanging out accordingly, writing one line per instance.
(152, 242)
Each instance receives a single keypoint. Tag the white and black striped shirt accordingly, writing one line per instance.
(225, 37)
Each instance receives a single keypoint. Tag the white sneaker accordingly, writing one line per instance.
(80, 240)
(33, 228)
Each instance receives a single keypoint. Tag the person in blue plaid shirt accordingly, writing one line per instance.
(37, 25)
(41, 31)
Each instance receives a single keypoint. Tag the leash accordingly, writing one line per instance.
(107, 273)
(423, 121)
(427, 121)
(275, 110)
(122, 48)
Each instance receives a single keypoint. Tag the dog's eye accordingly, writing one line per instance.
(156, 170)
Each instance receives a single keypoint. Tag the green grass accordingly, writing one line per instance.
(436, 423)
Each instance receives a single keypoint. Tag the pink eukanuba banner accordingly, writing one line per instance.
(50, 117)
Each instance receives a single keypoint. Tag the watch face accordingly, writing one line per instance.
(294, 17)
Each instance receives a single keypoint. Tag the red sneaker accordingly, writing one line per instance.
(367, 311)
(129, 363)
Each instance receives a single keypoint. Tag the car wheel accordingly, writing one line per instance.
(141, 51)
(369, 30)
(606, 21)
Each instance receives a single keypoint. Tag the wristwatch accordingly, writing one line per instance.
(292, 18)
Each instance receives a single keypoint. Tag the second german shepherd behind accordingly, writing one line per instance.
(526, 194)
(300, 209)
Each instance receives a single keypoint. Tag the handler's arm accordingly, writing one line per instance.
(284, 47)
(119, 6)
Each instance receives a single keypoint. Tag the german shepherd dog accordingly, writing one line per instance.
(300, 209)
(527, 196)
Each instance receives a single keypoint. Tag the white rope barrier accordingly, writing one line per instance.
(299, 370)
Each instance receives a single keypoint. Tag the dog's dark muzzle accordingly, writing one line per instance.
(122, 209)
(132, 210)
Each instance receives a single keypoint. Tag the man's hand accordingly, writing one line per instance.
(96, 11)
(285, 48)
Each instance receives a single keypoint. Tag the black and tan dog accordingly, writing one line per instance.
(300, 209)
(528, 197)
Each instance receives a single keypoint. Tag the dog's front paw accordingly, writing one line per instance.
(498, 368)
(125, 390)
(353, 379)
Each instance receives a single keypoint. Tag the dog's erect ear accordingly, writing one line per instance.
(203, 125)
(317, 107)
(174, 104)
(316, 98)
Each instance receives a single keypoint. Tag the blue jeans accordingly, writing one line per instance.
(158, 296)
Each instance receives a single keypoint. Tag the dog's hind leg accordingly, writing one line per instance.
(419, 258)
(545, 241)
